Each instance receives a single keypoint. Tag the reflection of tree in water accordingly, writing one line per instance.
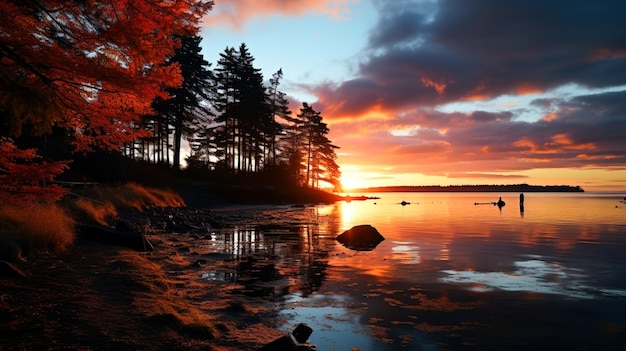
(273, 260)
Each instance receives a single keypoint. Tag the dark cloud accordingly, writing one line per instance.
(402, 22)
(429, 53)
(405, 27)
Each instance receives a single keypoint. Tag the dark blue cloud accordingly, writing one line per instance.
(486, 48)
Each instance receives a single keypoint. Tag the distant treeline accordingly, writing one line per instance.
(477, 188)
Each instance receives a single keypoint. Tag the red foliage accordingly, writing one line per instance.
(23, 178)
(90, 67)
(93, 67)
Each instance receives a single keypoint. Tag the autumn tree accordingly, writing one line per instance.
(89, 67)
(22, 173)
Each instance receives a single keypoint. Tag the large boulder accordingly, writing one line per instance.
(361, 238)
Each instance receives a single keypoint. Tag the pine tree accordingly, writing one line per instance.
(241, 103)
(185, 110)
(279, 107)
(319, 152)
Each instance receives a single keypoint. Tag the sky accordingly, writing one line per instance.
(449, 92)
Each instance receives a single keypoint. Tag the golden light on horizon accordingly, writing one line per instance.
(354, 177)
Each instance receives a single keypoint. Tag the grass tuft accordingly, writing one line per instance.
(135, 196)
(86, 210)
(48, 226)
(101, 204)
(37, 226)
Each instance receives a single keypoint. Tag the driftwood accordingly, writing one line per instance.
(127, 238)
(361, 238)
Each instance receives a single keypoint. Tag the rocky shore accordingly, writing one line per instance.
(99, 296)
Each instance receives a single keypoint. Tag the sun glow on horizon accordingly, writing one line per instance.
(591, 180)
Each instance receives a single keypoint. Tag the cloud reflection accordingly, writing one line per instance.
(535, 276)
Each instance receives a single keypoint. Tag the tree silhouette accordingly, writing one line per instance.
(241, 103)
(318, 150)
(185, 111)
(279, 107)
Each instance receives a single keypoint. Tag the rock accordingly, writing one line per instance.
(301, 333)
(361, 238)
(296, 340)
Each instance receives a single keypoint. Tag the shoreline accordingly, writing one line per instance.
(97, 296)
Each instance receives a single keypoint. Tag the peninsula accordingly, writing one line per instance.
(475, 188)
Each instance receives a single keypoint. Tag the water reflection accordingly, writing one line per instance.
(448, 274)
(275, 260)
(403, 252)
(533, 275)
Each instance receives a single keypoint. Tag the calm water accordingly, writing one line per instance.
(450, 275)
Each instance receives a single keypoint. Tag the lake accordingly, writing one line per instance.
(454, 272)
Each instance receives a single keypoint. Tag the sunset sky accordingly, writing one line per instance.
(428, 92)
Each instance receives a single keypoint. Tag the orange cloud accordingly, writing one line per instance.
(477, 94)
(434, 148)
(525, 143)
(235, 13)
(525, 89)
(564, 140)
(338, 112)
(550, 117)
(599, 157)
(439, 87)
(561, 139)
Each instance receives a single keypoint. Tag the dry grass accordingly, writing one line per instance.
(31, 227)
(155, 293)
(136, 196)
(101, 204)
(37, 226)
(91, 211)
